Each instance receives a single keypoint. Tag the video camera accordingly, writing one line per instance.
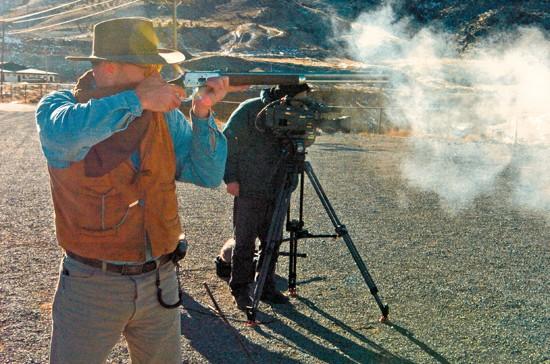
(294, 119)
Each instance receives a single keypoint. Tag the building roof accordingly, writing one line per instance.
(6, 71)
(35, 71)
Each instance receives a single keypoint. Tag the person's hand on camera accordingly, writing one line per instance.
(214, 91)
(233, 188)
(157, 95)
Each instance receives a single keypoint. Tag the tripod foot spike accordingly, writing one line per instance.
(250, 317)
(385, 313)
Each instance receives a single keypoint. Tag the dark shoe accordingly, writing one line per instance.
(223, 269)
(242, 301)
(274, 297)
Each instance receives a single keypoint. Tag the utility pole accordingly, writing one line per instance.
(2, 61)
(174, 24)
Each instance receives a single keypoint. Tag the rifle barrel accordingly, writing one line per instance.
(274, 78)
(343, 77)
(263, 78)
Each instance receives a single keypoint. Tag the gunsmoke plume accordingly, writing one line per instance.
(472, 116)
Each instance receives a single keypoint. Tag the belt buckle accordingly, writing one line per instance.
(150, 266)
(129, 269)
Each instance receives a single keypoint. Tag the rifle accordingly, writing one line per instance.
(198, 78)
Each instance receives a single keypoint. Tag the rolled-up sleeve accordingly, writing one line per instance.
(201, 150)
(68, 129)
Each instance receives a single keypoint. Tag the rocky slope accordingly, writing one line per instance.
(301, 28)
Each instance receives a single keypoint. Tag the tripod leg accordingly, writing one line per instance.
(294, 226)
(292, 258)
(342, 231)
(273, 237)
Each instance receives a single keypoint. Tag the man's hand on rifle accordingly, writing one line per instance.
(157, 95)
(213, 91)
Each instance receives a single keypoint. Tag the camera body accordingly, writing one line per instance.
(292, 118)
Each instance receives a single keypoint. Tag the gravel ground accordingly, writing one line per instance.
(467, 287)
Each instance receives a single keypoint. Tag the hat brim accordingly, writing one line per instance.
(165, 56)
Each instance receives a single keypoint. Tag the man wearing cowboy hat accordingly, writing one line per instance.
(115, 146)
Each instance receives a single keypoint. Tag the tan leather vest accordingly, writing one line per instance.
(108, 217)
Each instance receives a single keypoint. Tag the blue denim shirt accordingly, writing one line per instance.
(68, 129)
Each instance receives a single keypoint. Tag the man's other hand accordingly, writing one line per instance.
(213, 91)
(233, 188)
(157, 95)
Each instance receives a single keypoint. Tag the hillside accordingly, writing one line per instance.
(309, 29)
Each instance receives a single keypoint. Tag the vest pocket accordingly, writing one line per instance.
(170, 203)
(106, 214)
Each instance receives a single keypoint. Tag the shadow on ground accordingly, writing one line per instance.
(218, 343)
(411, 337)
(362, 350)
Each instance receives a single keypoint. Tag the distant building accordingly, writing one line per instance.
(34, 75)
(13, 72)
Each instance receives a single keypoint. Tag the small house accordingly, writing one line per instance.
(35, 75)
(14, 72)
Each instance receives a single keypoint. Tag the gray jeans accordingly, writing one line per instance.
(251, 219)
(92, 308)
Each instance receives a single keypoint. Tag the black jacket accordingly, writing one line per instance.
(254, 157)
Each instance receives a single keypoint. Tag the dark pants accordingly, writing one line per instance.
(251, 219)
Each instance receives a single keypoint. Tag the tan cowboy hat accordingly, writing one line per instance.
(129, 40)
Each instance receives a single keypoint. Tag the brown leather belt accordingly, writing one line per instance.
(123, 269)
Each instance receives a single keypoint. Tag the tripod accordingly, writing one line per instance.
(295, 167)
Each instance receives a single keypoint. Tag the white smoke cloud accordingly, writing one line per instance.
(467, 113)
